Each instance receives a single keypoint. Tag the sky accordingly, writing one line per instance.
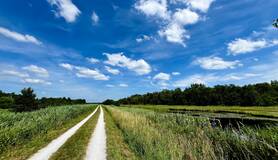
(100, 49)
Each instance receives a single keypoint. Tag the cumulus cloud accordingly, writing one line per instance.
(241, 46)
(66, 9)
(174, 33)
(161, 79)
(95, 18)
(174, 22)
(15, 73)
(36, 81)
(37, 70)
(123, 85)
(157, 8)
(185, 17)
(141, 67)
(143, 38)
(202, 5)
(90, 73)
(19, 37)
(84, 72)
(93, 60)
(176, 73)
(216, 63)
(66, 66)
(162, 76)
(112, 71)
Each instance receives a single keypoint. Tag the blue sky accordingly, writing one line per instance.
(101, 49)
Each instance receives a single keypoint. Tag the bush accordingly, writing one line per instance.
(6, 102)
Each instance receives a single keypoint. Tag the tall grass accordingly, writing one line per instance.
(19, 128)
(173, 136)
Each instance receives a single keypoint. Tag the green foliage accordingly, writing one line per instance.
(26, 101)
(261, 94)
(111, 102)
(154, 135)
(6, 102)
(19, 128)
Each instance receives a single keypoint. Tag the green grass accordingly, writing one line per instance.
(117, 148)
(253, 111)
(75, 147)
(22, 134)
(152, 135)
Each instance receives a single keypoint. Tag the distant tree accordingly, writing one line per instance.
(26, 101)
(275, 23)
(111, 102)
(6, 102)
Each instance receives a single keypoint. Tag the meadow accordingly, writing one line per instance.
(150, 134)
(22, 134)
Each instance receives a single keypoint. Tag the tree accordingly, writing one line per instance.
(26, 101)
(6, 102)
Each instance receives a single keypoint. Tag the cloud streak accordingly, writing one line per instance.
(19, 37)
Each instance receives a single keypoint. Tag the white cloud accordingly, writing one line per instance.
(15, 73)
(195, 79)
(143, 38)
(37, 70)
(18, 36)
(173, 21)
(66, 66)
(241, 46)
(90, 73)
(216, 63)
(36, 81)
(185, 17)
(161, 79)
(93, 60)
(202, 5)
(95, 18)
(174, 33)
(141, 67)
(162, 76)
(66, 9)
(176, 73)
(213, 78)
(123, 85)
(234, 76)
(110, 85)
(156, 8)
(111, 70)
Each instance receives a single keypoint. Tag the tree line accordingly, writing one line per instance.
(260, 94)
(28, 101)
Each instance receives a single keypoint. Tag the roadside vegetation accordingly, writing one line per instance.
(75, 147)
(117, 148)
(22, 134)
(153, 135)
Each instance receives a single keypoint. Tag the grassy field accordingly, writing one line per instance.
(22, 134)
(117, 148)
(252, 111)
(156, 135)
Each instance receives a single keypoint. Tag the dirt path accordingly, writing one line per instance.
(97, 146)
(46, 152)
